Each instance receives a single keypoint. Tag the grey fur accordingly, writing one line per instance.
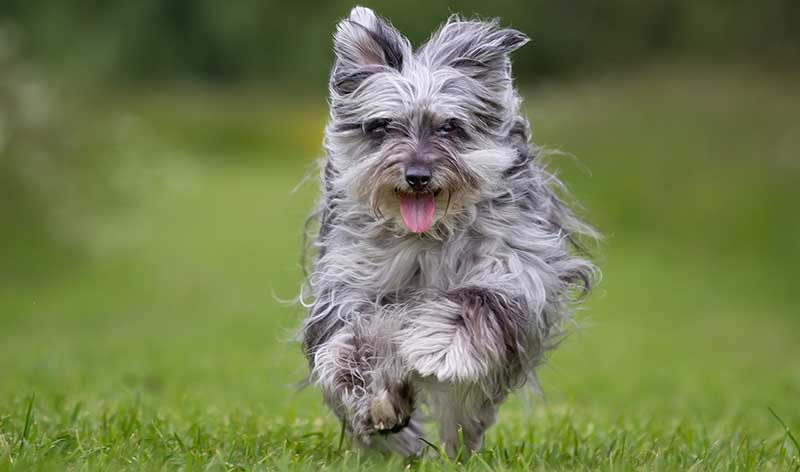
(456, 317)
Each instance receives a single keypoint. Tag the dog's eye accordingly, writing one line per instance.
(377, 127)
(448, 128)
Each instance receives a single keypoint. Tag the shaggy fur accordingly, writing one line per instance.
(455, 317)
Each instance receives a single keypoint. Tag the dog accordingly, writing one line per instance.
(446, 259)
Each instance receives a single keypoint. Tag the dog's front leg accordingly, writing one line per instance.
(340, 369)
(464, 413)
(470, 346)
(471, 335)
(364, 381)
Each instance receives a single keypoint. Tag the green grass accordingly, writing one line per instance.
(148, 331)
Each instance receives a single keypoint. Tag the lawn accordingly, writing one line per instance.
(150, 328)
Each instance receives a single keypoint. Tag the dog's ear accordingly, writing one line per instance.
(479, 49)
(365, 44)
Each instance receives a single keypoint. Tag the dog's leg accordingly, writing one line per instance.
(341, 371)
(406, 442)
(471, 336)
(393, 406)
(464, 414)
(471, 346)
(456, 425)
(392, 402)
(364, 380)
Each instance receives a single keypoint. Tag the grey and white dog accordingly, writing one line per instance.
(446, 264)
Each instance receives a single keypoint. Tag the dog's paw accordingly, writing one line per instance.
(454, 362)
(390, 411)
(384, 412)
(360, 426)
(439, 346)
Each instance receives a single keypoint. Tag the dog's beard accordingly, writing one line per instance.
(383, 189)
(376, 181)
(414, 212)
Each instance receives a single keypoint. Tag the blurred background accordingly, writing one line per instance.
(151, 206)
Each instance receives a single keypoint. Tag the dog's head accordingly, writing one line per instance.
(417, 135)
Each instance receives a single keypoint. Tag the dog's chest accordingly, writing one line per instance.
(426, 264)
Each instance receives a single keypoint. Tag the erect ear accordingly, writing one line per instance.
(478, 48)
(365, 44)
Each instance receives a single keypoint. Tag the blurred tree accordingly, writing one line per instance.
(288, 42)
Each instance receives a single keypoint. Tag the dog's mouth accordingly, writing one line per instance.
(417, 209)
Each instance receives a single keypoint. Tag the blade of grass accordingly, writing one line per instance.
(461, 446)
(431, 445)
(28, 421)
(341, 438)
(786, 429)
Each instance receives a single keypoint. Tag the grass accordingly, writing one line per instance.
(147, 332)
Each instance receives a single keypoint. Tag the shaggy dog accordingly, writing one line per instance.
(446, 264)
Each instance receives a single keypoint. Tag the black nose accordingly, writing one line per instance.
(418, 177)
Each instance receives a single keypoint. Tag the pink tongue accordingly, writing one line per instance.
(417, 211)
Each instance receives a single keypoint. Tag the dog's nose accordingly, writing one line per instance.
(418, 177)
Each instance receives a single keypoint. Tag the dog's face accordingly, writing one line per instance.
(419, 135)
